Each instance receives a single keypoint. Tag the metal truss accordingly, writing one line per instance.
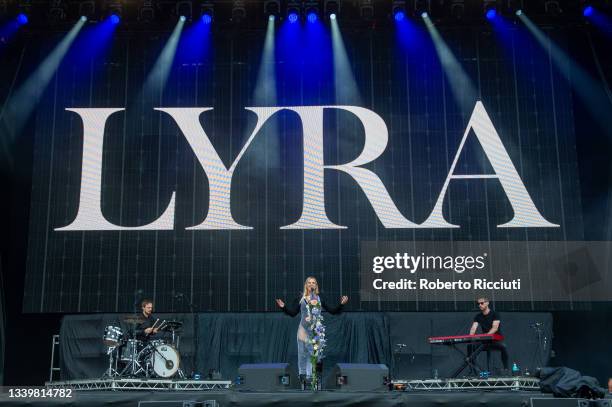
(501, 383)
(140, 384)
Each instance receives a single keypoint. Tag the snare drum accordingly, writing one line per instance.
(130, 350)
(112, 335)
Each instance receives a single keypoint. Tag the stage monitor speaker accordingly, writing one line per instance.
(559, 402)
(358, 377)
(264, 377)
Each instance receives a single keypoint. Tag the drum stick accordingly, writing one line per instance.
(156, 321)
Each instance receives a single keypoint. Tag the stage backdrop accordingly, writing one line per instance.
(167, 171)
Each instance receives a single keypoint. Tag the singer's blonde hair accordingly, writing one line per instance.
(306, 286)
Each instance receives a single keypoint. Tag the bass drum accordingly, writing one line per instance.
(165, 360)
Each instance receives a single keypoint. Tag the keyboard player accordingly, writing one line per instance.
(489, 322)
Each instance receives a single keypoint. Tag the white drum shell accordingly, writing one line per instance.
(165, 361)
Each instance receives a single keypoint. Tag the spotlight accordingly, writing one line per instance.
(87, 9)
(292, 17)
(514, 5)
(588, 11)
(552, 8)
(366, 8)
(206, 18)
(83, 18)
(519, 12)
(114, 11)
(183, 18)
(332, 16)
(183, 9)
(399, 10)
(422, 7)
(331, 7)
(22, 19)
(238, 11)
(271, 17)
(146, 13)
(490, 10)
(57, 12)
(457, 9)
(311, 16)
(294, 11)
(272, 8)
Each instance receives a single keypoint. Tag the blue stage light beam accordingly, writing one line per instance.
(600, 20)
(590, 92)
(491, 14)
(312, 17)
(115, 19)
(158, 76)
(267, 153)
(11, 27)
(346, 89)
(399, 15)
(20, 105)
(461, 85)
(195, 43)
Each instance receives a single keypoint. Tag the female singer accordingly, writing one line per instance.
(299, 305)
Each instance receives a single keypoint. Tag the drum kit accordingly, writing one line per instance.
(129, 356)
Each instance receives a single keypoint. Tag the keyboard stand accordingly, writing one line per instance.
(468, 360)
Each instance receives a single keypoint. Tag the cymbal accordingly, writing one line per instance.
(172, 325)
(134, 319)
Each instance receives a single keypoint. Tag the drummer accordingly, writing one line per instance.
(149, 328)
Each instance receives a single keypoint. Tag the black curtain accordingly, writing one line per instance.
(227, 340)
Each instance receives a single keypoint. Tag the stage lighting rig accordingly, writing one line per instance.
(24, 8)
(57, 11)
(272, 8)
(146, 12)
(552, 8)
(311, 10)
(87, 9)
(184, 9)
(294, 11)
(238, 11)
(422, 8)
(490, 9)
(207, 12)
(514, 8)
(115, 8)
(331, 7)
(457, 10)
(366, 10)
(398, 10)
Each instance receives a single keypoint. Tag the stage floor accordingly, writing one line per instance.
(287, 398)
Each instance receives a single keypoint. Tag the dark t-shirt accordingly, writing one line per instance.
(486, 321)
